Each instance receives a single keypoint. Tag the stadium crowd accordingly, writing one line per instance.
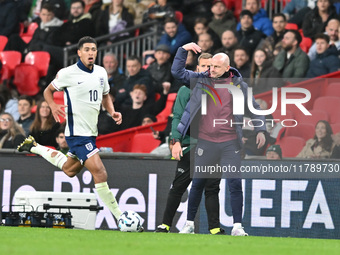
(300, 41)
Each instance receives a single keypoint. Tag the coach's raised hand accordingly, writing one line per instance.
(192, 46)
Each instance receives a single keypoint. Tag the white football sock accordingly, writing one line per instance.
(57, 160)
(190, 222)
(237, 225)
(108, 198)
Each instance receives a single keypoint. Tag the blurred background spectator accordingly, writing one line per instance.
(321, 145)
(116, 76)
(262, 73)
(44, 128)
(25, 104)
(222, 19)
(316, 20)
(274, 152)
(9, 17)
(326, 61)
(11, 134)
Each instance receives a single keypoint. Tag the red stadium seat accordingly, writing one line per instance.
(58, 98)
(333, 90)
(312, 119)
(335, 128)
(145, 66)
(179, 16)
(27, 37)
(26, 78)
(39, 59)
(306, 42)
(21, 28)
(303, 130)
(229, 3)
(144, 143)
(163, 115)
(291, 26)
(238, 8)
(277, 116)
(157, 96)
(34, 109)
(3, 42)
(331, 105)
(291, 146)
(9, 59)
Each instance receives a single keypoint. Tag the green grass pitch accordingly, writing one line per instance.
(37, 241)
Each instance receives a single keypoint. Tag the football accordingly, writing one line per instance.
(130, 221)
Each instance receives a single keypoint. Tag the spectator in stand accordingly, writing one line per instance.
(206, 43)
(42, 35)
(274, 152)
(291, 62)
(78, 26)
(9, 17)
(262, 73)
(25, 104)
(316, 20)
(136, 75)
(249, 134)
(135, 113)
(44, 128)
(2, 104)
(200, 27)
(116, 76)
(61, 141)
(241, 60)
(248, 36)
(195, 9)
(11, 134)
(223, 19)
(332, 30)
(149, 119)
(59, 6)
(10, 101)
(296, 10)
(261, 21)
(326, 60)
(321, 145)
(273, 44)
(159, 11)
(229, 42)
(175, 35)
(24, 9)
(336, 149)
(160, 69)
(92, 6)
(114, 18)
(106, 124)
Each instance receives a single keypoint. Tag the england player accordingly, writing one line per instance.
(85, 87)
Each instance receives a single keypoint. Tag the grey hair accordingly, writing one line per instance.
(110, 54)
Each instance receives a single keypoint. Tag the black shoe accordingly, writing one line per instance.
(162, 229)
(27, 144)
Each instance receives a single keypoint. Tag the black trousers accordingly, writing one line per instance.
(179, 186)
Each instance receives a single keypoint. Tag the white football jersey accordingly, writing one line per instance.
(83, 95)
